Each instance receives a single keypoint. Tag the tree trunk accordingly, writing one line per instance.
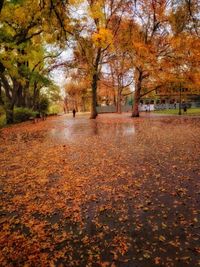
(119, 106)
(26, 96)
(95, 78)
(76, 105)
(19, 100)
(36, 94)
(94, 97)
(10, 98)
(114, 99)
(1, 4)
(9, 113)
(11, 103)
(1, 97)
(135, 111)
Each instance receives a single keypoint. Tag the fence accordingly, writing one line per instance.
(143, 107)
(176, 106)
(113, 109)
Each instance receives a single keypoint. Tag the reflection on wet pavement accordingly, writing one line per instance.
(75, 129)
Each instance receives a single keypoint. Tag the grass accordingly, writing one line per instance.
(190, 111)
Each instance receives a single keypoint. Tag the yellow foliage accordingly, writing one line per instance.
(103, 38)
(95, 11)
(75, 2)
(20, 14)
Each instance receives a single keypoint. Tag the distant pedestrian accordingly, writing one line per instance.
(185, 109)
(74, 113)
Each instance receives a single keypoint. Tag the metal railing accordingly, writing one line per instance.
(144, 107)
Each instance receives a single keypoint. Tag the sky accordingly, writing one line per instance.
(59, 75)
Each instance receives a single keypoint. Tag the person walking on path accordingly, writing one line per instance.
(74, 113)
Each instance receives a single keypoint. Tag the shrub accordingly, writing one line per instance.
(23, 114)
(54, 109)
(2, 120)
(2, 110)
(43, 105)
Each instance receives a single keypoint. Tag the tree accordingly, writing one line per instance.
(24, 29)
(179, 65)
(164, 47)
(120, 69)
(16, 31)
(120, 63)
(96, 41)
(147, 43)
(77, 93)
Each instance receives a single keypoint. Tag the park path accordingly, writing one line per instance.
(109, 192)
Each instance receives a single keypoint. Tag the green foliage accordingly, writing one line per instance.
(43, 104)
(53, 93)
(40, 79)
(54, 109)
(16, 2)
(23, 114)
(130, 101)
(2, 120)
(2, 111)
(2, 116)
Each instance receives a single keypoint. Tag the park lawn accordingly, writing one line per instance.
(191, 111)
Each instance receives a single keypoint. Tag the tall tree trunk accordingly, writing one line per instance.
(1, 5)
(113, 85)
(11, 102)
(76, 105)
(24, 100)
(26, 96)
(135, 111)
(94, 97)
(114, 99)
(1, 97)
(94, 84)
(10, 97)
(119, 104)
(9, 113)
(19, 100)
(35, 97)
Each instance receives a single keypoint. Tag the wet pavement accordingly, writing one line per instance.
(115, 191)
(73, 130)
